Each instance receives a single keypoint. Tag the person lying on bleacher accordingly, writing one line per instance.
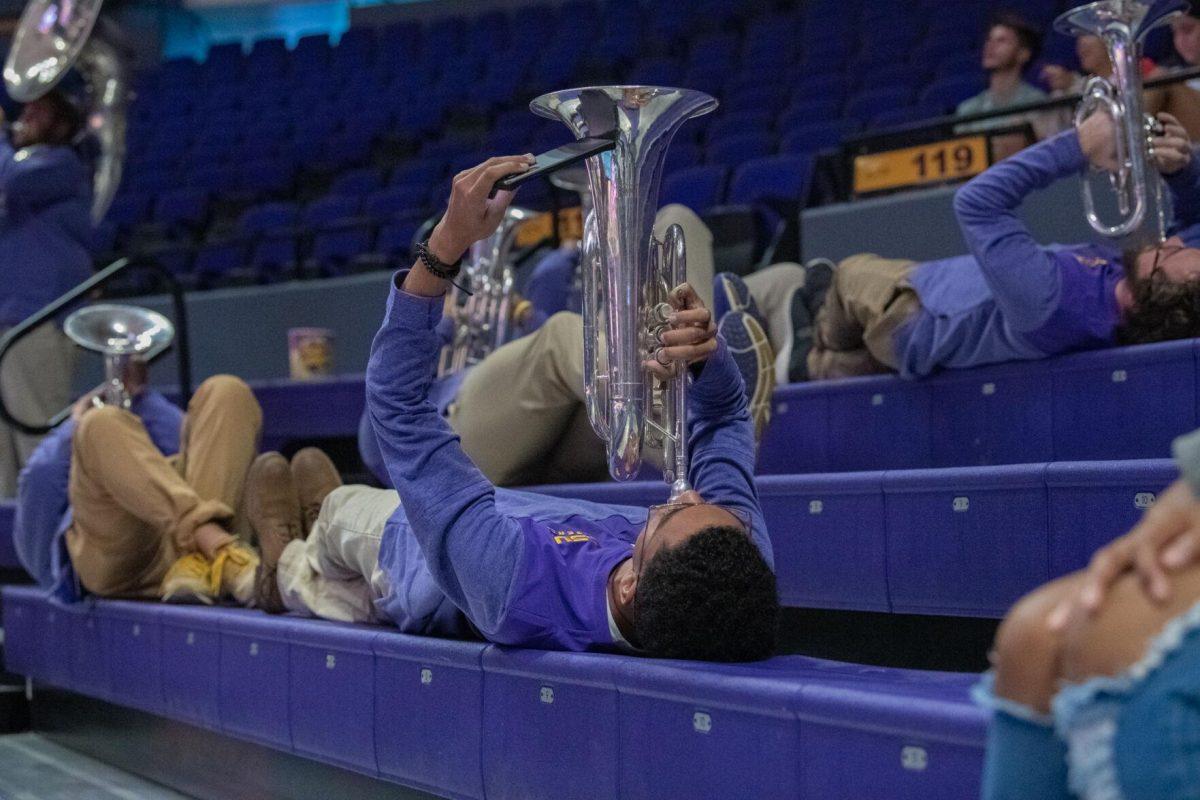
(450, 555)
(1011, 298)
(520, 412)
(1096, 688)
(143, 503)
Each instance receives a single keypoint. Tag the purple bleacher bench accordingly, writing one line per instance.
(965, 541)
(471, 720)
(1122, 403)
(1127, 402)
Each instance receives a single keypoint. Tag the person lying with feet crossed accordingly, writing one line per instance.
(448, 554)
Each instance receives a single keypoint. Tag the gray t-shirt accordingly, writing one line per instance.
(988, 101)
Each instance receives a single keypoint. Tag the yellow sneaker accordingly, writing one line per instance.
(233, 573)
(189, 581)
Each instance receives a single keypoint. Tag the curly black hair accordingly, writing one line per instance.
(1162, 310)
(711, 598)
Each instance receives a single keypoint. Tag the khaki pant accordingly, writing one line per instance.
(869, 301)
(334, 573)
(36, 382)
(135, 510)
(520, 413)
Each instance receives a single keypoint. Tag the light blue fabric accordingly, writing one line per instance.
(43, 513)
(45, 227)
(1136, 736)
(1025, 760)
(525, 569)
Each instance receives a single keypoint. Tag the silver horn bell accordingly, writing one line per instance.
(627, 273)
(120, 334)
(1123, 26)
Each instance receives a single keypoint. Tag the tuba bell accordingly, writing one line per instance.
(627, 273)
(1123, 26)
(481, 315)
(121, 334)
(53, 36)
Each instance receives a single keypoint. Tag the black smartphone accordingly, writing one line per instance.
(554, 160)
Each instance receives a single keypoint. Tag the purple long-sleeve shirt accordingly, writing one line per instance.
(45, 227)
(43, 509)
(1012, 298)
(524, 569)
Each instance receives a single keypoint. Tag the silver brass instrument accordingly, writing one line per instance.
(121, 334)
(54, 36)
(627, 273)
(481, 319)
(1123, 26)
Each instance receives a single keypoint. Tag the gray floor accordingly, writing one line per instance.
(32, 768)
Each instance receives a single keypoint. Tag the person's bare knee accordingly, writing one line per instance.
(1027, 654)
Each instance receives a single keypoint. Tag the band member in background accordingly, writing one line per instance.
(448, 554)
(45, 250)
(144, 503)
(1011, 298)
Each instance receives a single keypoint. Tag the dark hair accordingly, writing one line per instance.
(66, 113)
(1162, 310)
(1028, 36)
(711, 598)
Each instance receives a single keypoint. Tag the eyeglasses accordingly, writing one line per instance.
(657, 516)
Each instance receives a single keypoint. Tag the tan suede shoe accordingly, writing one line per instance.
(315, 477)
(273, 508)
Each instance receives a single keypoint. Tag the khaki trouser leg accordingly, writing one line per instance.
(699, 241)
(334, 573)
(36, 382)
(218, 443)
(515, 407)
(136, 511)
(855, 329)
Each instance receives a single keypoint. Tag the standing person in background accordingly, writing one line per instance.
(1181, 100)
(45, 249)
(1012, 44)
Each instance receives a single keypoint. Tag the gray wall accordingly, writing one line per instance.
(921, 225)
(244, 331)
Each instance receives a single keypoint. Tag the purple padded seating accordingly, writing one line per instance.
(470, 720)
(886, 541)
(1125, 402)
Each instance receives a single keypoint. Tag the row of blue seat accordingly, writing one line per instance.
(469, 720)
(1107, 404)
(1120, 403)
(887, 541)
(958, 542)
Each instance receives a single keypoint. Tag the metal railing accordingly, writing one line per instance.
(80, 293)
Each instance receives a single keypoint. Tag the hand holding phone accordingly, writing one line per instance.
(554, 160)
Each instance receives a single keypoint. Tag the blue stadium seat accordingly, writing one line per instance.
(182, 208)
(681, 156)
(903, 116)
(785, 178)
(329, 209)
(737, 124)
(421, 171)
(337, 245)
(947, 93)
(219, 262)
(395, 200)
(267, 217)
(734, 150)
(275, 255)
(359, 182)
(810, 113)
(869, 104)
(815, 137)
(698, 188)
